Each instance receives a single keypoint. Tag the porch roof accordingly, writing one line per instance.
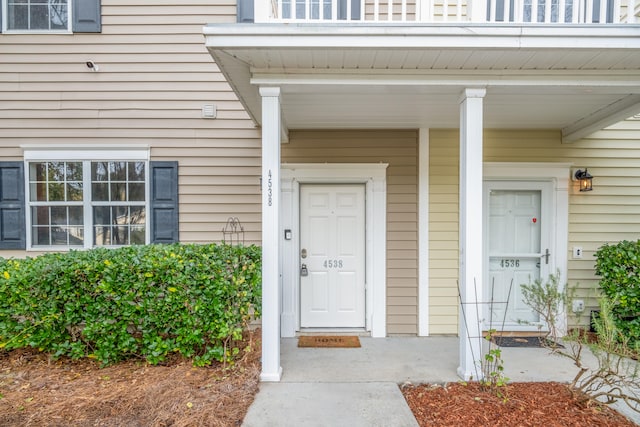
(577, 78)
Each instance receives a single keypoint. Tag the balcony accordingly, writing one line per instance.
(441, 11)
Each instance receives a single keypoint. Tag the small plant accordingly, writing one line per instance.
(493, 368)
(615, 377)
(549, 299)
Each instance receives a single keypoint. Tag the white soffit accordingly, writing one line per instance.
(409, 76)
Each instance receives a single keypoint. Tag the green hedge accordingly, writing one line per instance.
(619, 268)
(138, 301)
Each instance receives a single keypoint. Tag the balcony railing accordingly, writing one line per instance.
(452, 11)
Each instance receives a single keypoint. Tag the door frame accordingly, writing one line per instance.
(557, 177)
(374, 177)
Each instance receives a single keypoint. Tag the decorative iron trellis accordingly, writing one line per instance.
(233, 232)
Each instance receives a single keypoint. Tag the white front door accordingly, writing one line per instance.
(518, 225)
(332, 256)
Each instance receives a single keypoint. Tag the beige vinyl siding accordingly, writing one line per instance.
(608, 214)
(399, 149)
(154, 76)
(443, 231)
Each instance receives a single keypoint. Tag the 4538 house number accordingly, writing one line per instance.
(332, 263)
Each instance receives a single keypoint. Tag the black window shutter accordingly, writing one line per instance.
(164, 202)
(12, 206)
(86, 16)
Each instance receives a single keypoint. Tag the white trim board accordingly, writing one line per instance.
(374, 178)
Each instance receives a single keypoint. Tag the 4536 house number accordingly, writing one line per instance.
(510, 263)
(333, 263)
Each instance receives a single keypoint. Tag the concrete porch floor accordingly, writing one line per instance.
(359, 386)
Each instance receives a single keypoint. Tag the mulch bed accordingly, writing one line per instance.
(546, 404)
(38, 391)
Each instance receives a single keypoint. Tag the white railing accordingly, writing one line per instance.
(431, 11)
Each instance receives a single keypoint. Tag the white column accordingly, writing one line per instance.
(271, 369)
(470, 235)
(423, 232)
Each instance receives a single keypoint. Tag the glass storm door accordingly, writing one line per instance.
(517, 222)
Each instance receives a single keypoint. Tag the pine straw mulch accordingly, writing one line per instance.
(527, 404)
(38, 391)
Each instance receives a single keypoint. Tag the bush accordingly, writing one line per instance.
(619, 268)
(138, 301)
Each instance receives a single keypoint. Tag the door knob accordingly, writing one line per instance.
(304, 271)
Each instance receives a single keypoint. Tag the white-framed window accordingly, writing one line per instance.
(83, 200)
(37, 15)
(50, 16)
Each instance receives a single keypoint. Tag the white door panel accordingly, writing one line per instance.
(332, 228)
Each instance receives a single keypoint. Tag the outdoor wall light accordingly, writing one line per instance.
(92, 66)
(585, 179)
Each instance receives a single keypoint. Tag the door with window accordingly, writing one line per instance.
(518, 220)
(332, 256)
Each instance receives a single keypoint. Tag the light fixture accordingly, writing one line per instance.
(585, 179)
(92, 66)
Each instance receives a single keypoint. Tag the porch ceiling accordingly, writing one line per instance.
(574, 78)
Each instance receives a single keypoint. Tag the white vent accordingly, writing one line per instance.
(209, 111)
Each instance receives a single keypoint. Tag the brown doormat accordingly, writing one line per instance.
(329, 341)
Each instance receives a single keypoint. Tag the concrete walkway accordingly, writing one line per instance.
(359, 386)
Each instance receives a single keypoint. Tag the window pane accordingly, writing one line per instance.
(136, 171)
(119, 236)
(59, 236)
(76, 236)
(39, 17)
(100, 192)
(102, 215)
(118, 192)
(99, 171)
(102, 235)
(59, 15)
(40, 215)
(56, 171)
(59, 215)
(137, 236)
(74, 191)
(18, 18)
(136, 192)
(74, 171)
(120, 215)
(76, 215)
(56, 192)
(137, 215)
(40, 236)
(117, 171)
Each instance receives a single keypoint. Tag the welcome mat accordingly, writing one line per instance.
(329, 341)
(527, 341)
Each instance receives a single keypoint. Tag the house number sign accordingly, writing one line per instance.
(510, 263)
(333, 263)
(269, 188)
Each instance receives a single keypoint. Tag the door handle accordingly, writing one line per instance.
(546, 256)
(304, 271)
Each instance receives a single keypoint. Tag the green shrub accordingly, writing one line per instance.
(619, 268)
(138, 301)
